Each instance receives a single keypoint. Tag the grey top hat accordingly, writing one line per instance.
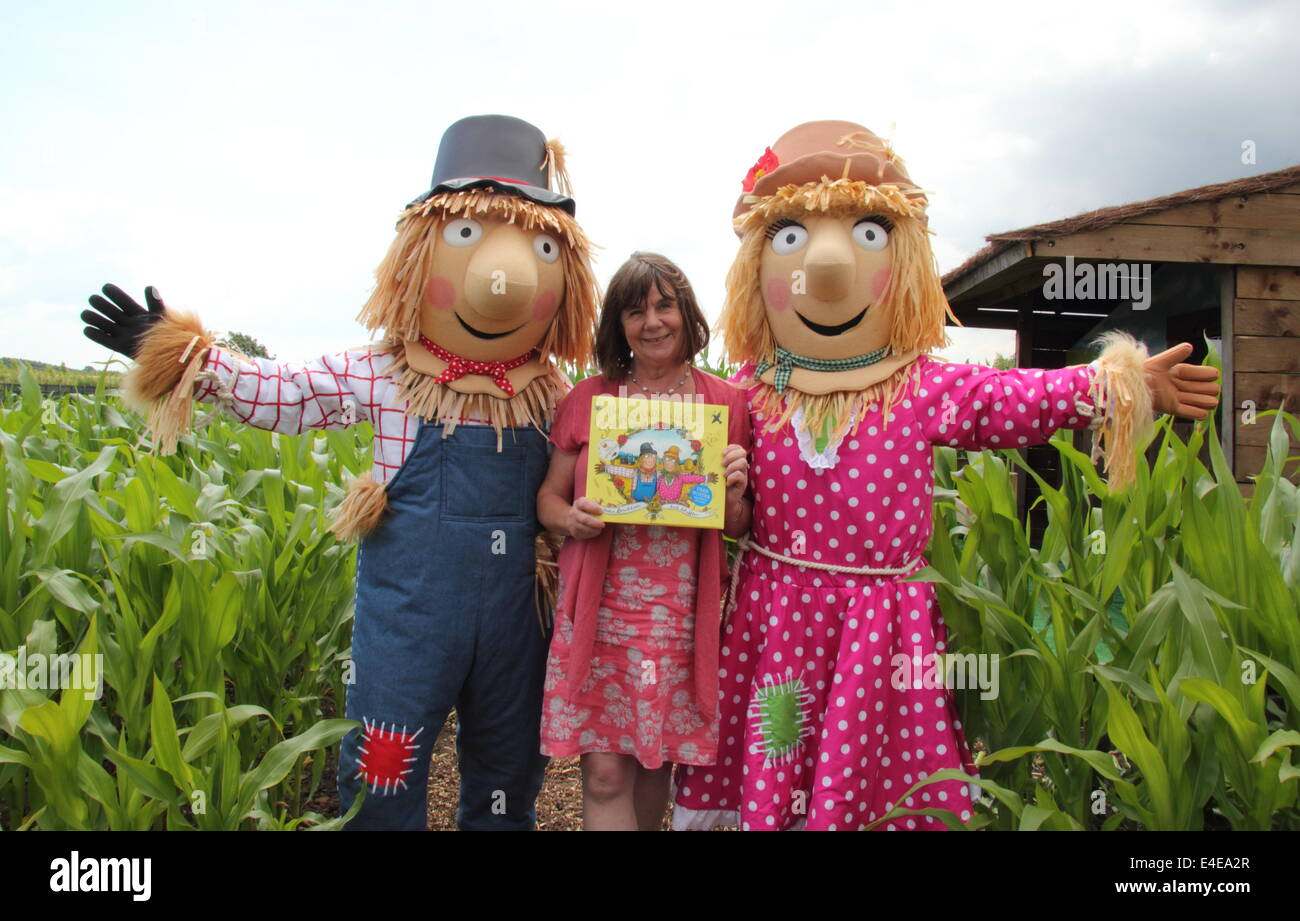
(497, 151)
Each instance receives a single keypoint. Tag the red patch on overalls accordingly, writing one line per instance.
(387, 756)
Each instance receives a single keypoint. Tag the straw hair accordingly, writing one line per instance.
(534, 404)
(393, 310)
(361, 509)
(1121, 392)
(161, 385)
(557, 173)
(914, 299)
(844, 409)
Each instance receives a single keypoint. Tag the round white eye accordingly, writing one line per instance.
(463, 232)
(870, 235)
(546, 248)
(789, 239)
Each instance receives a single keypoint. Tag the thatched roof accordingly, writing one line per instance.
(1105, 217)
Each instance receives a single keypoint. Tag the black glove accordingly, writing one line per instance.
(119, 325)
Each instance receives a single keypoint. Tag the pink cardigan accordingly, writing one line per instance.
(583, 563)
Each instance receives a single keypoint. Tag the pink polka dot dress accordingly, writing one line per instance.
(813, 732)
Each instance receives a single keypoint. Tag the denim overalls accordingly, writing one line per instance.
(445, 616)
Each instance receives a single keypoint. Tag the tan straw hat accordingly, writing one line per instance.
(822, 150)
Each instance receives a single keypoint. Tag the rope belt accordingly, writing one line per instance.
(744, 544)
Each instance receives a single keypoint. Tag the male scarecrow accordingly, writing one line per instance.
(486, 285)
(833, 303)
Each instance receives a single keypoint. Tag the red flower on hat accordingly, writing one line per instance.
(765, 165)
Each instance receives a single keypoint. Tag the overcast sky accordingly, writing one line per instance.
(249, 159)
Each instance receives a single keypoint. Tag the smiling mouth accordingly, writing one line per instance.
(844, 327)
(482, 335)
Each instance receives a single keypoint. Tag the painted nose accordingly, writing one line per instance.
(829, 264)
(501, 278)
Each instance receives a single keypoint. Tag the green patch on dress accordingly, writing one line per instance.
(780, 716)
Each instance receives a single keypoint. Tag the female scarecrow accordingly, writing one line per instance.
(486, 285)
(674, 481)
(833, 303)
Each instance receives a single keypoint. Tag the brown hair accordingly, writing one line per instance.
(628, 289)
(393, 309)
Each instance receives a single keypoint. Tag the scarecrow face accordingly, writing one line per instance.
(648, 462)
(823, 280)
(493, 289)
(670, 464)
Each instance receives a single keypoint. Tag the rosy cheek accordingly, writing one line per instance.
(879, 282)
(440, 293)
(544, 305)
(778, 293)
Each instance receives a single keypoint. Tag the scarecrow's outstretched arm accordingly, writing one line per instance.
(178, 361)
(975, 407)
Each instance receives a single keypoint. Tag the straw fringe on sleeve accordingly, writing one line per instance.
(161, 385)
(1123, 420)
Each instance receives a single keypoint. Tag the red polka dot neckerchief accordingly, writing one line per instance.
(458, 367)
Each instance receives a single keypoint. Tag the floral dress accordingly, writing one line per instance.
(813, 732)
(639, 698)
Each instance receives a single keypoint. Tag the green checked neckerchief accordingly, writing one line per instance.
(787, 361)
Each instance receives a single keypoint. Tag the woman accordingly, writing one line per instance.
(632, 677)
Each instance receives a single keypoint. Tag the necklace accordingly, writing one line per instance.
(672, 389)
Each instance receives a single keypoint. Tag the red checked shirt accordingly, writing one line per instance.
(331, 392)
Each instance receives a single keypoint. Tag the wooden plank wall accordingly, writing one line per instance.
(1260, 234)
(1266, 324)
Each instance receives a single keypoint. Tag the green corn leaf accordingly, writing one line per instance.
(204, 734)
(1282, 738)
(338, 822)
(281, 758)
(64, 501)
(1249, 734)
(151, 780)
(13, 756)
(1126, 731)
(1209, 650)
(166, 742)
(1100, 762)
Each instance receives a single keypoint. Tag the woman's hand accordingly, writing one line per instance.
(736, 518)
(1191, 391)
(583, 519)
(736, 466)
(557, 510)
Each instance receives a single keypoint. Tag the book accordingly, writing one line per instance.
(658, 461)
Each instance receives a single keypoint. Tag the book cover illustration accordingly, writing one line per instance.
(658, 461)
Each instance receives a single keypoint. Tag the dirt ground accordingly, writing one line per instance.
(559, 807)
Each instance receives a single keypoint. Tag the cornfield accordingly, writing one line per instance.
(219, 604)
(1148, 649)
(1148, 646)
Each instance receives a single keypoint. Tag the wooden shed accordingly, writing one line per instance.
(1221, 261)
